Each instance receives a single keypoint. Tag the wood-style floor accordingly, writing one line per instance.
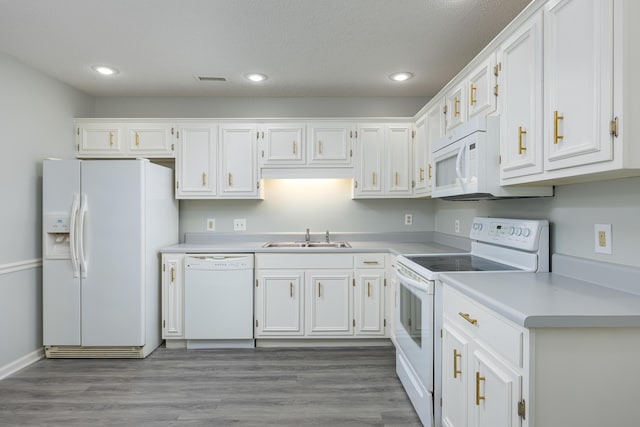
(260, 387)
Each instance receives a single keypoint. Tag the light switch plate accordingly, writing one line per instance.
(239, 224)
(603, 238)
(211, 224)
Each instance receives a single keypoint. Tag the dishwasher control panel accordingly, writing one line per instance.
(218, 262)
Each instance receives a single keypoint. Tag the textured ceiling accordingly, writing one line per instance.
(306, 47)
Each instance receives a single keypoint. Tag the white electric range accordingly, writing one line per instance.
(498, 244)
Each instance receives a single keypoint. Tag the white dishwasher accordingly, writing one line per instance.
(218, 300)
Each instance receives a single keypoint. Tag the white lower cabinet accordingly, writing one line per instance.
(319, 296)
(172, 296)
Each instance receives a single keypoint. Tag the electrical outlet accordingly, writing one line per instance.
(603, 238)
(239, 224)
(211, 224)
(456, 226)
(408, 219)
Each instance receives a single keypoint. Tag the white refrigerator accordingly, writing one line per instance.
(103, 224)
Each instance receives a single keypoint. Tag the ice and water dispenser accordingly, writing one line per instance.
(57, 236)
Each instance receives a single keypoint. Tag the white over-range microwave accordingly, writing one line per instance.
(466, 163)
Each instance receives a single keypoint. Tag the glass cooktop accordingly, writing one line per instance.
(451, 263)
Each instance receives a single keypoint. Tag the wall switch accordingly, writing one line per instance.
(603, 238)
(408, 219)
(211, 224)
(456, 226)
(239, 224)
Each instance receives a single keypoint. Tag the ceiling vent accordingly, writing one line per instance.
(211, 79)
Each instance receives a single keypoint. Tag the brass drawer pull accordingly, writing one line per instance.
(468, 318)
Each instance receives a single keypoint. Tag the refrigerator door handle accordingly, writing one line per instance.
(82, 217)
(73, 249)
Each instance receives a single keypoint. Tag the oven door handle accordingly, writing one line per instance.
(414, 283)
(461, 178)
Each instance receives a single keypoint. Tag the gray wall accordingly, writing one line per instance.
(226, 107)
(573, 212)
(294, 205)
(36, 118)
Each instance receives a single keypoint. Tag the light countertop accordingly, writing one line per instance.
(548, 300)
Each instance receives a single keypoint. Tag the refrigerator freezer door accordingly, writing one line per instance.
(60, 289)
(113, 245)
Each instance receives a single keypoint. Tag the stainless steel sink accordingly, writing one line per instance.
(302, 245)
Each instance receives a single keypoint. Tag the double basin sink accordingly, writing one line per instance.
(302, 245)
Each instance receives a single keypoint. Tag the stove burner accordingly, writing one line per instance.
(453, 263)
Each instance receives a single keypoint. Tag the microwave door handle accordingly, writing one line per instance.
(461, 177)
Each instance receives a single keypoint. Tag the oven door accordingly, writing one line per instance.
(414, 333)
(456, 167)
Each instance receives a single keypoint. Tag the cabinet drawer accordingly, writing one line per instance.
(484, 325)
(370, 260)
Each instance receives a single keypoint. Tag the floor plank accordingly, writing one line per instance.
(258, 387)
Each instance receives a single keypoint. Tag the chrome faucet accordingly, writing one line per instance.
(326, 236)
(307, 236)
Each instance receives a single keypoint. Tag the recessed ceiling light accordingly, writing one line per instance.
(401, 76)
(104, 70)
(256, 77)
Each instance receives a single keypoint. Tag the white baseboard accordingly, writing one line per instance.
(21, 363)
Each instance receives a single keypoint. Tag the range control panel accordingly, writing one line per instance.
(524, 234)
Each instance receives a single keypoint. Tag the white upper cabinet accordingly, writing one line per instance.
(196, 172)
(282, 144)
(100, 139)
(421, 151)
(456, 105)
(238, 161)
(383, 166)
(329, 144)
(578, 51)
(482, 89)
(520, 82)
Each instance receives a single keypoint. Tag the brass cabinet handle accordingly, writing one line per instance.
(173, 274)
(137, 139)
(466, 317)
(229, 179)
(370, 262)
(520, 133)
(396, 178)
(373, 178)
(478, 396)
(204, 179)
(456, 112)
(556, 119)
(110, 139)
(429, 173)
(421, 175)
(472, 92)
(456, 355)
(291, 289)
(318, 289)
(369, 289)
(319, 147)
(294, 147)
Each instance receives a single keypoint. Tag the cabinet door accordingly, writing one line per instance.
(238, 161)
(99, 139)
(495, 391)
(282, 145)
(196, 162)
(370, 151)
(456, 106)
(151, 139)
(481, 88)
(398, 167)
(520, 80)
(330, 144)
(455, 374)
(578, 53)
(172, 296)
(369, 302)
(421, 159)
(278, 299)
(436, 119)
(329, 302)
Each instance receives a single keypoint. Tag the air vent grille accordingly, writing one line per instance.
(211, 79)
